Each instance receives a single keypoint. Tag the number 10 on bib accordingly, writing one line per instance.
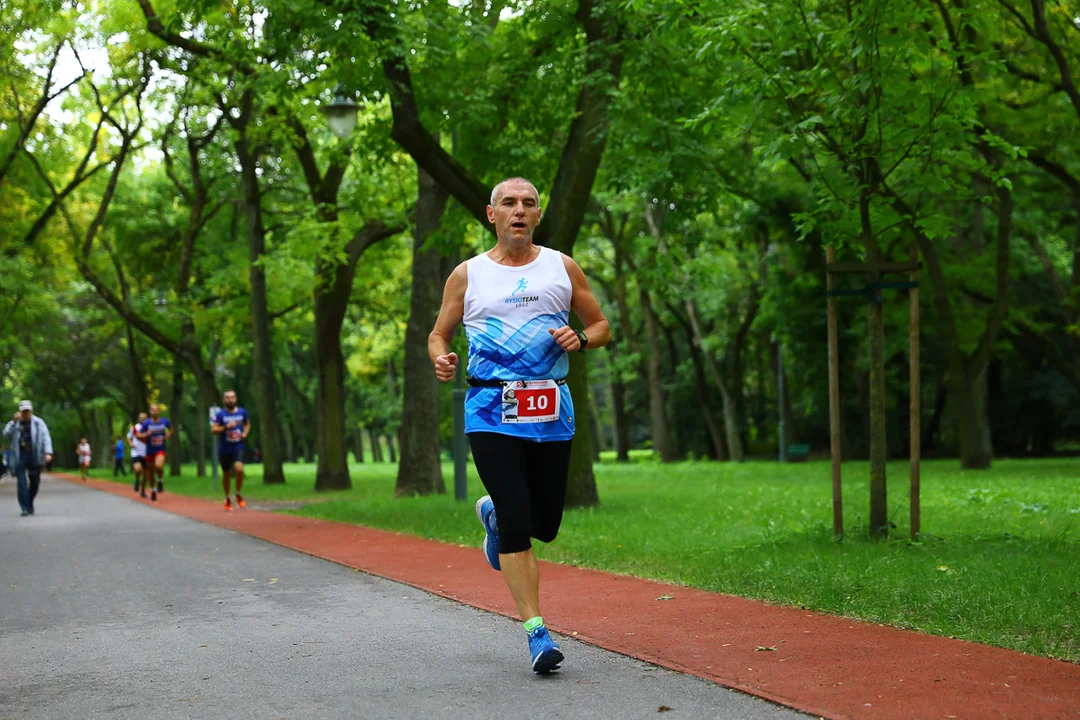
(530, 401)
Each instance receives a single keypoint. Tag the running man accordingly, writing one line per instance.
(515, 301)
(83, 451)
(156, 431)
(233, 425)
(138, 453)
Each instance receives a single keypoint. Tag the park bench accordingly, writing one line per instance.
(798, 453)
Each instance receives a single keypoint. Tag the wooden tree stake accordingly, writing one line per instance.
(916, 424)
(834, 402)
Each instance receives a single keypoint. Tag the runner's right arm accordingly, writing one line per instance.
(450, 315)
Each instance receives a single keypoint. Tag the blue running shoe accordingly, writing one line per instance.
(485, 510)
(546, 655)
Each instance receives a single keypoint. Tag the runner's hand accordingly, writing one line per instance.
(446, 367)
(48, 459)
(567, 338)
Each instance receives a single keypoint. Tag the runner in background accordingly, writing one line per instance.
(233, 425)
(83, 451)
(138, 452)
(156, 432)
(118, 458)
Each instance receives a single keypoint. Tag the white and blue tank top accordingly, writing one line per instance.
(508, 312)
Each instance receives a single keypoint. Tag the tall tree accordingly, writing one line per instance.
(334, 283)
(570, 191)
(420, 469)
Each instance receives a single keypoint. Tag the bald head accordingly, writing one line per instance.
(496, 192)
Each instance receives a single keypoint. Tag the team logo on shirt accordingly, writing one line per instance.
(521, 300)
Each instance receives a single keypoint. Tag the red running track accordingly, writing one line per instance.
(825, 665)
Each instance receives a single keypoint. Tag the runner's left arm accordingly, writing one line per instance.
(247, 427)
(585, 305)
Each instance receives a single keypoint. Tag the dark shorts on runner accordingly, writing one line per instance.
(138, 460)
(152, 453)
(527, 482)
(230, 456)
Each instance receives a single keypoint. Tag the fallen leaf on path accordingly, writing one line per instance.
(765, 648)
(202, 646)
(272, 581)
(666, 597)
(249, 580)
(663, 708)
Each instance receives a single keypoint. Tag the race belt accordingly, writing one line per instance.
(526, 401)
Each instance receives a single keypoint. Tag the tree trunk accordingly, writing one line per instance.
(138, 375)
(930, 435)
(965, 369)
(105, 454)
(287, 436)
(738, 370)
(784, 409)
(712, 425)
(390, 447)
(376, 447)
(358, 444)
(202, 422)
(759, 412)
(971, 418)
(653, 377)
(594, 430)
(176, 411)
(731, 423)
(620, 420)
(420, 469)
(879, 510)
(331, 436)
(207, 396)
(262, 354)
(306, 444)
(581, 484)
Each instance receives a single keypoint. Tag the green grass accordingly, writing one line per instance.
(999, 562)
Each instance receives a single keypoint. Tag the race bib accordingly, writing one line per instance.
(530, 401)
(234, 435)
(157, 440)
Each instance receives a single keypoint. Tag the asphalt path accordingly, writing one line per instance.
(109, 608)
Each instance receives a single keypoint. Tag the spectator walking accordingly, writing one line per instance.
(32, 449)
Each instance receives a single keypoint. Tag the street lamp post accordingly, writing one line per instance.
(341, 113)
(460, 447)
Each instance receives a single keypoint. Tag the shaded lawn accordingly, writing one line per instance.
(999, 562)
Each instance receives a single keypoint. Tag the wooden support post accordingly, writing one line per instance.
(834, 402)
(916, 405)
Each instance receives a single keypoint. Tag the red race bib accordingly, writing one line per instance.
(530, 401)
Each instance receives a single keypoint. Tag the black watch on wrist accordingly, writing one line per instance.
(583, 339)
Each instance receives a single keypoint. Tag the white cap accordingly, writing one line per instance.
(25, 405)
